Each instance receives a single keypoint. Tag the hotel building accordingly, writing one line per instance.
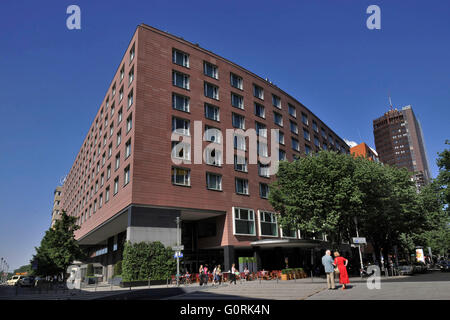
(124, 185)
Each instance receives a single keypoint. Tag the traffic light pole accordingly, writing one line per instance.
(178, 256)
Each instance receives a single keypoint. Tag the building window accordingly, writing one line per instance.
(180, 58)
(259, 110)
(237, 101)
(294, 128)
(238, 121)
(240, 163)
(116, 185)
(261, 129)
(117, 161)
(278, 119)
(180, 102)
(119, 116)
(211, 91)
(126, 175)
(262, 149)
(268, 224)
(181, 150)
(131, 76)
(213, 181)
(181, 176)
(210, 70)
(113, 91)
(121, 94)
(239, 142)
(180, 80)
(212, 112)
(304, 119)
(324, 135)
(295, 144)
(213, 134)
(132, 52)
(276, 101)
(306, 135)
(241, 186)
(244, 221)
(281, 155)
(130, 98)
(213, 157)
(280, 137)
(108, 172)
(180, 126)
(112, 109)
(315, 128)
(122, 73)
(110, 150)
(316, 141)
(258, 92)
(287, 232)
(292, 110)
(129, 122)
(236, 81)
(128, 149)
(264, 190)
(100, 200)
(119, 137)
(263, 170)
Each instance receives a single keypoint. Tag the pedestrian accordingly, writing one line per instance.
(246, 273)
(327, 262)
(200, 274)
(205, 274)
(233, 274)
(216, 275)
(341, 264)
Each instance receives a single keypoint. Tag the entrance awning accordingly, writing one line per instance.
(299, 243)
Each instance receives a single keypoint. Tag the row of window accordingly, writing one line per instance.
(182, 177)
(98, 202)
(103, 114)
(244, 224)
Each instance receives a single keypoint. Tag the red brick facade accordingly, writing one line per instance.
(150, 160)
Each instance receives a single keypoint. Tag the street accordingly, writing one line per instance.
(431, 286)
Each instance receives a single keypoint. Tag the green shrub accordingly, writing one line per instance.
(144, 260)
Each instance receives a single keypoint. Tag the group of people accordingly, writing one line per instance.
(336, 265)
(217, 274)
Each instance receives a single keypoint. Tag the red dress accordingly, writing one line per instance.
(343, 276)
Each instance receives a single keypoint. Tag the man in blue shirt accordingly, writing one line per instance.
(327, 262)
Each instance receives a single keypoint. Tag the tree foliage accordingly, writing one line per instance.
(147, 260)
(58, 248)
(331, 192)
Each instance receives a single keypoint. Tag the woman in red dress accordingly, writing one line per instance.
(341, 264)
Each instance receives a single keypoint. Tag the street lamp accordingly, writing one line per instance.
(359, 246)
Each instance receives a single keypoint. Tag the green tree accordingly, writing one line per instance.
(58, 248)
(331, 192)
(26, 268)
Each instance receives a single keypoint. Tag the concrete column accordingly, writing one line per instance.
(257, 255)
(228, 257)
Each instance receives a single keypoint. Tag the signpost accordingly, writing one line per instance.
(359, 241)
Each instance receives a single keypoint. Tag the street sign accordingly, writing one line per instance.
(178, 254)
(178, 248)
(361, 240)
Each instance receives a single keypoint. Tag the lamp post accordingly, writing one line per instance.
(178, 256)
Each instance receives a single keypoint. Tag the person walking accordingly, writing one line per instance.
(233, 274)
(200, 274)
(341, 264)
(327, 262)
(216, 275)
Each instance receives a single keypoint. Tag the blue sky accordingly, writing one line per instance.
(53, 79)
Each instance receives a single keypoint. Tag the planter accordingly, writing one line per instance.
(127, 284)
